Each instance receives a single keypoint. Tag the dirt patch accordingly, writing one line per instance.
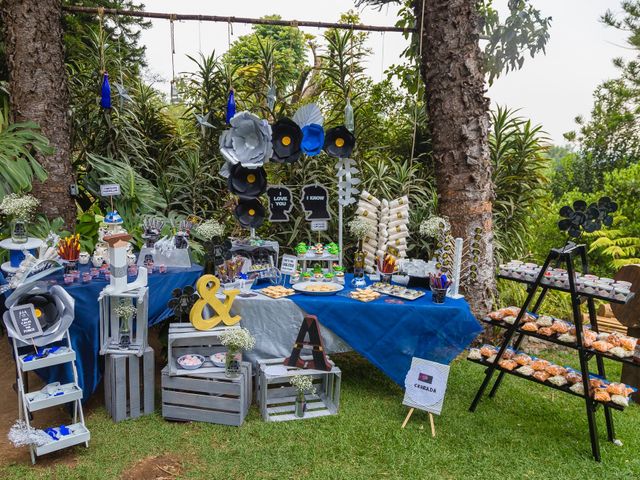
(163, 467)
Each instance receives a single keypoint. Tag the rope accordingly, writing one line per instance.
(101, 34)
(173, 53)
(415, 115)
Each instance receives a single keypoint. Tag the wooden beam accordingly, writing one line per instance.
(218, 18)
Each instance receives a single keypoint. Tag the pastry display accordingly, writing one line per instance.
(367, 295)
(397, 291)
(321, 287)
(277, 291)
(560, 377)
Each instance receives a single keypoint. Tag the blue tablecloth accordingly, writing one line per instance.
(389, 333)
(85, 331)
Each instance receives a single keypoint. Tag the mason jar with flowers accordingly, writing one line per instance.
(237, 340)
(211, 233)
(20, 209)
(125, 312)
(303, 385)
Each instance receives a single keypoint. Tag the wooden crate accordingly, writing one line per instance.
(110, 322)
(184, 339)
(276, 396)
(129, 385)
(207, 397)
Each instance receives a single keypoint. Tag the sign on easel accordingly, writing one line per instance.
(25, 321)
(425, 388)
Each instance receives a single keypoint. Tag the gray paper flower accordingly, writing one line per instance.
(247, 142)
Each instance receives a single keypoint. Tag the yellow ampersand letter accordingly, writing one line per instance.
(208, 297)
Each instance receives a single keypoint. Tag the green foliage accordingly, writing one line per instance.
(18, 144)
(519, 176)
(620, 250)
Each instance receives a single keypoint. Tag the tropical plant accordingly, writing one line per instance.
(18, 144)
(519, 175)
(617, 248)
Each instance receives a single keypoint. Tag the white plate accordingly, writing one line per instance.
(300, 287)
(218, 359)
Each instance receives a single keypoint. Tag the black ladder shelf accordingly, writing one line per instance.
(559, 256)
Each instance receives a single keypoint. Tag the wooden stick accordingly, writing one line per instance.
(433, 426)
(406, 420)
(218, 18)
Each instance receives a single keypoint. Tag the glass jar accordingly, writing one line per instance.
(232, 363)
(19, 232)
(124, 333)
(301, 405)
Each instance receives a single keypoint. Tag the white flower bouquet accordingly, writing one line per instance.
(303, 383)
(209, 229)
(237, 339)
(19, 206)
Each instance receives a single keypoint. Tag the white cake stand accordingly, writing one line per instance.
(8, 244)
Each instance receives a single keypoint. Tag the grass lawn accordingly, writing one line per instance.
(526, 432)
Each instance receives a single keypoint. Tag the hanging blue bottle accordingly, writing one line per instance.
(105, 93)
(231, 107)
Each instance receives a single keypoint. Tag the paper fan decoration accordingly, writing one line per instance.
(308, 114)
(249, 213)
(247, 182)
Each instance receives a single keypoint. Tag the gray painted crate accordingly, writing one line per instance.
(129, 385)
(110, 322)
(207, 397)
(276, 396)
(184, 339)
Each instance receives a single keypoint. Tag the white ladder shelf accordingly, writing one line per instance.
(29, 402)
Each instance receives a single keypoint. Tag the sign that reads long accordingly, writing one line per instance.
(288, 264)
(25, 321)
(426, 385)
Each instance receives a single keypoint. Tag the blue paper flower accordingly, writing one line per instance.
(312, 139)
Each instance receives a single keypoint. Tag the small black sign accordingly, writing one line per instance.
(280, 203)
(315, 202)
(25, 321)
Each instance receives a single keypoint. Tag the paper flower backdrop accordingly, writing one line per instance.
(312, 139)
(247, 182)
(247, 142)
(586, 218)
(339, 142)
(286, 139)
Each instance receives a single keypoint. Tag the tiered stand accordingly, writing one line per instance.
(564, 256)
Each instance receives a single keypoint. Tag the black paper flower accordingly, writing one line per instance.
(247, 182)
(339, 142)
(181, 302)
(586, 218)
(286, 137)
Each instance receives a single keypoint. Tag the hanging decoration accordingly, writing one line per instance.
(309, 118)
(346, 181)
(105, 92)
(249, 213)
(348, 116)
(286, 138)
(247, 142)
(315, 202)
(175, 97)
(123, 95)
(231, 107)
(280, 203)
(339, 142)
(203, 121)
(271, 97)
(247, 182)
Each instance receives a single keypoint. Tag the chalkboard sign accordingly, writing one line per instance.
(25, 321)
(280, 203)
(315, 202)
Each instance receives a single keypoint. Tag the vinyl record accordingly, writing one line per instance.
(339, 142)
(249, 213)
(45, 307)
(286, 137)
(247, 182)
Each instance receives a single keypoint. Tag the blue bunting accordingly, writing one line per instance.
(105, 93)
(231, 107)
(312, 139)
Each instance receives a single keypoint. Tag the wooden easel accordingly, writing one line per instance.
(433, 426)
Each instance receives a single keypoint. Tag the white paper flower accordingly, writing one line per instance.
(247, 142)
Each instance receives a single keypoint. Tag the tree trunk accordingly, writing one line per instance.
(39, 92)
(452, 69)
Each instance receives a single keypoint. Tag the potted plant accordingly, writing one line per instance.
(236, 340)
(125, 312)
(20, 208)
(303, 385)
